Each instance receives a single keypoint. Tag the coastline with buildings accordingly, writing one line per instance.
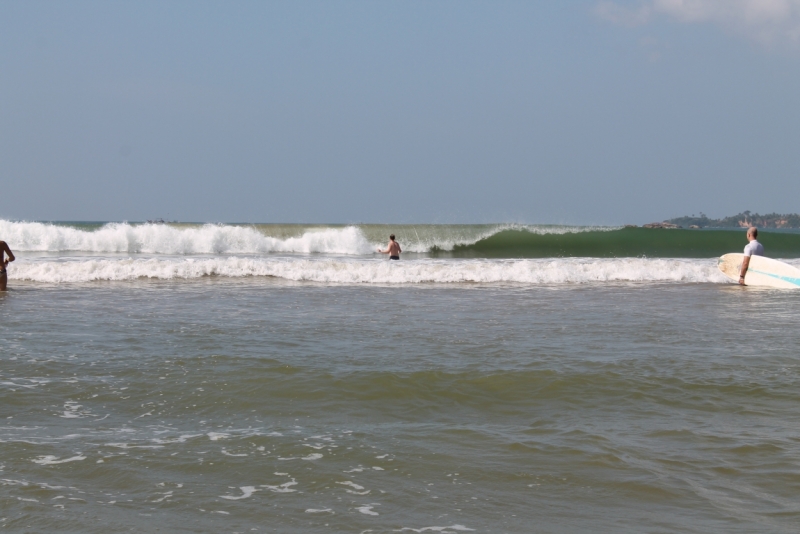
(744, 219)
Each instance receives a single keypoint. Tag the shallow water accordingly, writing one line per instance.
(257, 404)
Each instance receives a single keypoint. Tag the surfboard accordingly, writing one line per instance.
(763, 272)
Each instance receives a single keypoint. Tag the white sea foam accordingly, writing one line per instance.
(17, 385)
(72, 410)
(226, 453)
(351, 484)
(368, 271)
(180, 439)
(437, 529)
(165, 496)
(247, 491)
(356, 488)
(129, 446)
(286, 487)
(367, 509)
(52, 460)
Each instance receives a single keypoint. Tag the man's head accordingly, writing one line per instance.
(391, 237)
(752, 233)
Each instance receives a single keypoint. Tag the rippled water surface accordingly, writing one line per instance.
(259, 405)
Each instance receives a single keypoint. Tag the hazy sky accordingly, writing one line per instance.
(587, 112)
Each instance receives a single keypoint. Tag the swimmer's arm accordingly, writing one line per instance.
(745, 265)
(4, 247)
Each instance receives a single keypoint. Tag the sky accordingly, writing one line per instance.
(561, 112)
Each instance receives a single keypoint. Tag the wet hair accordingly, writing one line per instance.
(753, 230)
(391, 236)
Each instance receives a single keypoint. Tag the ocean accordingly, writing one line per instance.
(499, 378)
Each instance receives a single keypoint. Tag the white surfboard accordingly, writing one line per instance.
(764, 272)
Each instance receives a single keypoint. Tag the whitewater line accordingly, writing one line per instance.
(374, 271)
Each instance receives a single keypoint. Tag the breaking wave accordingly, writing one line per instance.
(443, 241)
(188, 239)
(174, 240)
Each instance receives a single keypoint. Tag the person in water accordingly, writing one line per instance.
(753, 248)
(5, 261)
(393, 250)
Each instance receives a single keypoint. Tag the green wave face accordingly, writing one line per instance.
(626, 242)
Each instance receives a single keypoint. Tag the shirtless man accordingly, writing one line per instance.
(393, 250)
(3, 275)
(753, 248)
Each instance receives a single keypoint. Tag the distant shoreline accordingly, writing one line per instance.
(741, 220)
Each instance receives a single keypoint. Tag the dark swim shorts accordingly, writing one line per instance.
(394, 257)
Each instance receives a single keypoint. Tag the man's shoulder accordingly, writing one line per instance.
(754, 247)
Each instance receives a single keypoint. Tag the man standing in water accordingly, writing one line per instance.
(753, 248)
(393, 250)
(3, 275)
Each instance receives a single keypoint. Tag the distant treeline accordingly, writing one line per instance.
(742, 220)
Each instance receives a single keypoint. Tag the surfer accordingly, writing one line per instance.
(393, 250)
(5, 261)
(753, 248)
